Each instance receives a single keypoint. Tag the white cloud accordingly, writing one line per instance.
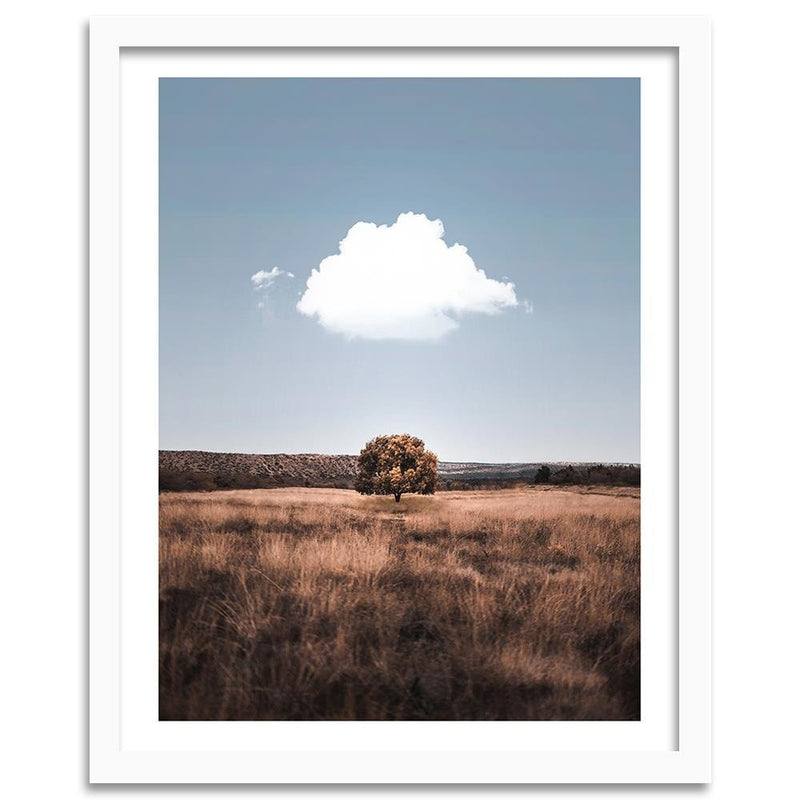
(528, 306)
(263, 279)
(400, 281)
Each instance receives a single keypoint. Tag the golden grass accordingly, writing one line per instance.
(323, 604)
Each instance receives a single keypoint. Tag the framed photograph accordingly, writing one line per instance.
(399, 385)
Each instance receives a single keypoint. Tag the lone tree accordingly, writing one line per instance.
(396, 465)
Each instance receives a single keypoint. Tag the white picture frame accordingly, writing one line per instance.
(123, 412)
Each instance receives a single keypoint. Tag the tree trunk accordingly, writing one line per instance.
(397, 497)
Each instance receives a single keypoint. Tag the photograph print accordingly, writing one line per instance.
(399, 399)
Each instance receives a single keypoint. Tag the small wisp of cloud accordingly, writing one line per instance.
(400, 281)
(262, 280)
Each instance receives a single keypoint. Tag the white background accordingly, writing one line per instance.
(43, 334)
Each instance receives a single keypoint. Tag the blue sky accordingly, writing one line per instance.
(537, 178)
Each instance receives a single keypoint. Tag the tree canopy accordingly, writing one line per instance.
(396, 465)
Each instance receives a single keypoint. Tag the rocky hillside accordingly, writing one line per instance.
(307, 469)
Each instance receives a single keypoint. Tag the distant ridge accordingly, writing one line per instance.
(298, 467)
(204, 469)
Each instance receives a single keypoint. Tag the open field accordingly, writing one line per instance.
(323, 604)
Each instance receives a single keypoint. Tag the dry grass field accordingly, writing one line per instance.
(311, 604)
